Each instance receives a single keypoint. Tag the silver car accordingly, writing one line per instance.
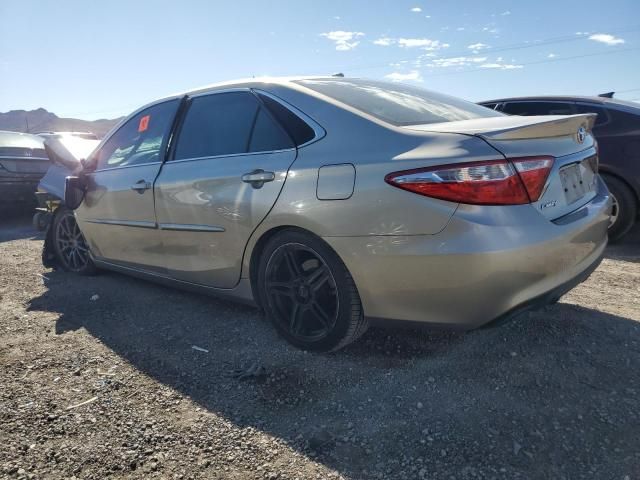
(333, 203)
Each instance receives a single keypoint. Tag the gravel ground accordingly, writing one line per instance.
(552, 394)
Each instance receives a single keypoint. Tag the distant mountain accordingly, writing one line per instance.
(41, 120)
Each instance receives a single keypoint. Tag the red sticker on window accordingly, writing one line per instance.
(144, 123)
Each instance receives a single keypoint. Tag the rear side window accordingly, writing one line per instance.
(267, 134)
(297, 128)
(538, 108)
(141, 139)
(218, 124)
(227, 124)
(603, 117)
(398, 104)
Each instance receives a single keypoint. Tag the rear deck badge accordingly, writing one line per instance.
(582, 135)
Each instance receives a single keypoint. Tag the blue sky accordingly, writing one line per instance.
(103, 59)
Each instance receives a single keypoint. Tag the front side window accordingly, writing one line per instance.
(140, 140)
(227, 124)
(538, 108)
(398, 104)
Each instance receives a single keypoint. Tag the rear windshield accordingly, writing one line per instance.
(398, 104)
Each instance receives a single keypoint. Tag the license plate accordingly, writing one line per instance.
(572, 182)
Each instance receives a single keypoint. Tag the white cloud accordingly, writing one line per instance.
(424, 43)
(477, 46)
(460, 29)
(606, 39)
(343, 40)
(456, 61)
(413, 76)
(416, 9)
(427, 16)
(552, 55)
(384, 41)
(501, 66)
(505, 13)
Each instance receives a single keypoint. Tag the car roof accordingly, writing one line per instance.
(22, 140)
(604, 101)
(252, 82)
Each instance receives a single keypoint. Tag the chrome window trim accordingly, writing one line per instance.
(318, 130)
(229, 155)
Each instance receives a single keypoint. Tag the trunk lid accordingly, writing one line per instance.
(24, 160)
(566, 138)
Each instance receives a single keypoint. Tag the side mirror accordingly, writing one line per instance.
(73, 192)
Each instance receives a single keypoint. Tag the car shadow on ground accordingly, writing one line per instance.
(511, 395)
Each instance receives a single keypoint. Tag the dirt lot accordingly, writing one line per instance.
(553, 394)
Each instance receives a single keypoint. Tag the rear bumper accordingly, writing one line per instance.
(487, 263)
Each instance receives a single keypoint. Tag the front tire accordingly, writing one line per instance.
(70, 248)
(308, 293)
(625, 207)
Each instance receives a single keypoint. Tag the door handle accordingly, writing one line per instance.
(258, 178)
(140, 186)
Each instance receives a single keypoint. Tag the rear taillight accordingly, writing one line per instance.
(534, 172)
(496, 182)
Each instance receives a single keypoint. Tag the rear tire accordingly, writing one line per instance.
(308, 293)
(625, 208)
(70, 248)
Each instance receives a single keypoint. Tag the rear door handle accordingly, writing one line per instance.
(258, 178)
(141, 186)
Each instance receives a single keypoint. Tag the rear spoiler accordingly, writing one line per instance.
(544, 127)
(515, 127)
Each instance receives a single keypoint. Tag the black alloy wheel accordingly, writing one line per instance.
(302, 291)
(69, 244)
(308, 293)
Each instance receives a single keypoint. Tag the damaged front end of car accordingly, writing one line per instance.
(61, 186)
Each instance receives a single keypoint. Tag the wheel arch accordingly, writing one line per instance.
(603, 170)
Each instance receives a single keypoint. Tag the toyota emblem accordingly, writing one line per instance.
(582, 134)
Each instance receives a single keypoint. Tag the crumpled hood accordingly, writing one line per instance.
(66, 154)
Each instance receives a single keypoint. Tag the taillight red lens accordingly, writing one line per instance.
(534, 172)
(496, 182)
